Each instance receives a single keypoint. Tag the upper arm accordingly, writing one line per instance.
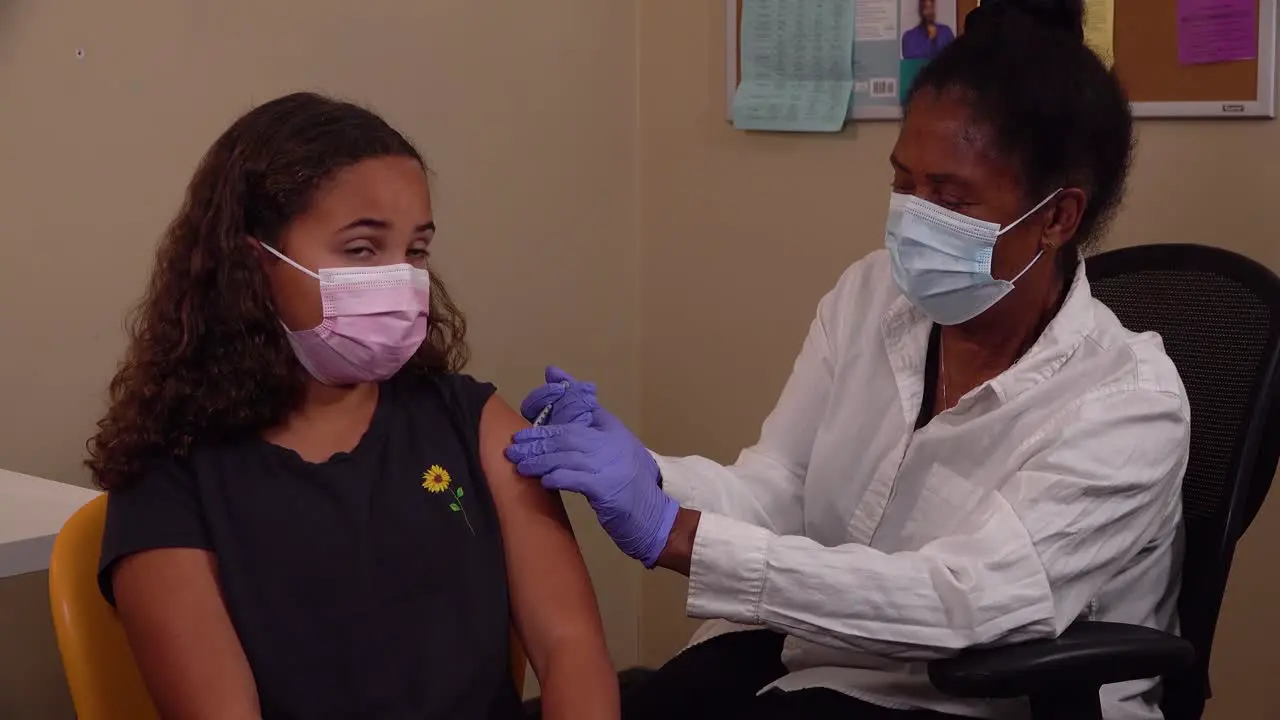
(158, 568)
(1102, 492)
(551, 593)
(187, 651)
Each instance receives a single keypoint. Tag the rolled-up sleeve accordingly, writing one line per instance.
(1062, 526)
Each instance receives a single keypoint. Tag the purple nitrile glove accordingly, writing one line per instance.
(571, 401)
(608, 465)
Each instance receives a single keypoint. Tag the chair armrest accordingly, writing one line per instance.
(1087, 655)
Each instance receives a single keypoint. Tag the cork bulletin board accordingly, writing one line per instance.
(1146, 51)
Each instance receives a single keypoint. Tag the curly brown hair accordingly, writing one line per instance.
(208, 359)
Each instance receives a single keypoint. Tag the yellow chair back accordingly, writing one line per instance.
(101, 672)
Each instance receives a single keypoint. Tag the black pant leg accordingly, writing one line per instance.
(716, 678)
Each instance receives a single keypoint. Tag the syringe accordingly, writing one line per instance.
(546, 411)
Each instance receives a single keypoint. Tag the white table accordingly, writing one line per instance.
(32, 511)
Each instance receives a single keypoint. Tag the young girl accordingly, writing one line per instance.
(310, 514)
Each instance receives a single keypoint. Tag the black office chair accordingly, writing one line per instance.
(1219, 315)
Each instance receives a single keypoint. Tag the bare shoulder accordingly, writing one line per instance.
(515, 496)
(498, 422)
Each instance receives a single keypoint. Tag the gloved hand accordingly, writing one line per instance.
(608, 465)
(571, 401)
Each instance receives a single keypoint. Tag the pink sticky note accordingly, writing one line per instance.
(1213, 31)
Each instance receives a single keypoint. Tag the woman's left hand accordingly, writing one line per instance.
(570, 400)
(607, 464)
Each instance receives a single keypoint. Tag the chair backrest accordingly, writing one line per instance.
(100, 668)
(1219, 315)
(101, 672)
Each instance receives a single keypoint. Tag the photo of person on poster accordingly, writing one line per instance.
(926, 32)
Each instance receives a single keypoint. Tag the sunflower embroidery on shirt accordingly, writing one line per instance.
(437, 480)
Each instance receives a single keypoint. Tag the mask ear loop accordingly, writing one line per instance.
(283, 257)
(1030, 265)
(1014, 224)
(1026, 215)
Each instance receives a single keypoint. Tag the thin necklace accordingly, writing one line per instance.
(942, 365)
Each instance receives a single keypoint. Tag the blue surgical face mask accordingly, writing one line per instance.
(942, 259)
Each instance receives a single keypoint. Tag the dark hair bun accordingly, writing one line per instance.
(1064, 15)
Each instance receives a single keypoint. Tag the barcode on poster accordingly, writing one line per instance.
(884, 87)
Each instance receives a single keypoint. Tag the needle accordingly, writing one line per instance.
(546, 411)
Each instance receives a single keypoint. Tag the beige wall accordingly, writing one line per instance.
(742, 234)
(525, 110)
(529, 115)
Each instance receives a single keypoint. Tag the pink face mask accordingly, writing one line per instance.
(375, 319)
